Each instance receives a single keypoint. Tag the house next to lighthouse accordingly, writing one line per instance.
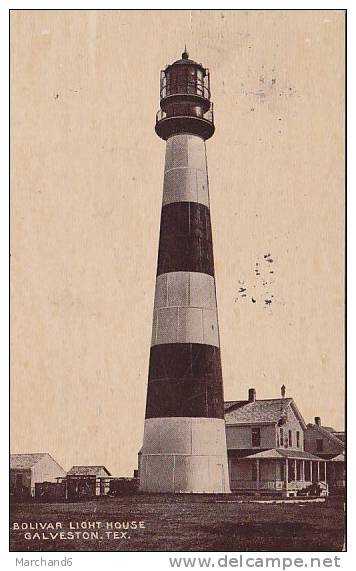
(272, 450)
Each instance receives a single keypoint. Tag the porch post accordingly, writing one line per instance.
(311, 470)
(258, 473)
(295, 470)
(318, 470)
(303, 471)
(286, 475)
(325, 471)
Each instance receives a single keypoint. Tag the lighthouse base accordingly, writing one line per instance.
(184, 455)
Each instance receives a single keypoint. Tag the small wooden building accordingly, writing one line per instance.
(87, 482)
(28, 469)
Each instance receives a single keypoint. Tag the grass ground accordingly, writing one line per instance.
(184, 523)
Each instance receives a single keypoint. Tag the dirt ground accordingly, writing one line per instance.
(177, 523)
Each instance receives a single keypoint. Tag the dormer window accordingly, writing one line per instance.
(319, 445)
(298, 439)
(290, 442)
(256, 437)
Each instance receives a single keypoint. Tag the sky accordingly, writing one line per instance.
(87, 178)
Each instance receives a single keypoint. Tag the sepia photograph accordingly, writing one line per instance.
(177, 280)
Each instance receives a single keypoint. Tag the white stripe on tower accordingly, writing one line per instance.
(185, 309)
(185, 170)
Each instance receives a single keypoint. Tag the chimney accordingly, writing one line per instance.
(251, 395)
(317, 420)
(283, 391)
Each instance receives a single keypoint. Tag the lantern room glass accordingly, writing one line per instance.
(185, 79)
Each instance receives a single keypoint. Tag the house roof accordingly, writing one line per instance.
(338, 458)
(270, 454)
(301, 454)
(259, 411)
(324, 431)
(25, 461)
(277, 453)
(340, 435)
(87, 471)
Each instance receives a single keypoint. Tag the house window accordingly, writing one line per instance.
(282, 470)
(307, 476)
(298, 439)
(322, 471)
(319, 445)
(290, 438)
(254, 471)
(291, 471)
(281, 437)
(256, 437)
(299, 470)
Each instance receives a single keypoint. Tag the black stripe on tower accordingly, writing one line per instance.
(185, 242)
(185, 379)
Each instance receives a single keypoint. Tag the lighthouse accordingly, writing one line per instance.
(184, 443)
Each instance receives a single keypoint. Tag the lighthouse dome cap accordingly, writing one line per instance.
(185, 60)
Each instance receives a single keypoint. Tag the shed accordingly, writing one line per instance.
(28, 469)
(87, 481)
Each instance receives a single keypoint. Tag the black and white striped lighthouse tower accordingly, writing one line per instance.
(184, 444)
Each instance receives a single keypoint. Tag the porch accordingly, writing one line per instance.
(286, 473)
(336, 474)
